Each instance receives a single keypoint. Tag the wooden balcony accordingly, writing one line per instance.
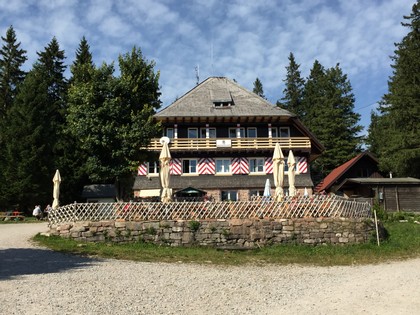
(186, 144)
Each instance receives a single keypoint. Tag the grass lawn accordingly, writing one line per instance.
(26, 220)
(403, 243)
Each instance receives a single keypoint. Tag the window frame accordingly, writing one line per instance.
(217, 161)
(241, 132)
(196, 133)
(189, 166)
(281, 132)
(261, 163)
(251, 129)
(170, 133)
(274, 132)
(227, 193)
(156, 168)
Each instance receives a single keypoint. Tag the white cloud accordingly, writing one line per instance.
(241, 39)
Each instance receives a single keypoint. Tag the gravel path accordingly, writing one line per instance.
(35, 280)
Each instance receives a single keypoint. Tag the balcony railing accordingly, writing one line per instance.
(232, 143)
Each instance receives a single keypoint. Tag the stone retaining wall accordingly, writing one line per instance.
(235, 233)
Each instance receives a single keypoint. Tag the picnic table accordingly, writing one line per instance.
(12, 215)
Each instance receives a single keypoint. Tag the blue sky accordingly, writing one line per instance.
(239, 39)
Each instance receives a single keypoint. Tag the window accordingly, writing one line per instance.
(253, 193)
(212, 133)
(256, 165)
(252, 132)
(153, 168)
(192, 133)
(222, 104)
(189, 166)
(284, 132)
(222, 165)
(170, 132)
(232, 132)
(230, 195)
(274, 133)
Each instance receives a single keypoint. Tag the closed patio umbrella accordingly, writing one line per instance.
(56, 189)
(291, 173)
(267, 189)
(278, 172)
(165, 158)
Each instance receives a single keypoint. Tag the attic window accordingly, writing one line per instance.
(221, 97)
(222, 104)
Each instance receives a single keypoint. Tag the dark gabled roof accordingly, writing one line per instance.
(99, 191)
(200, 101)
(336, 173)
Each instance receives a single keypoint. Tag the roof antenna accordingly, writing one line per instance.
(197, 74)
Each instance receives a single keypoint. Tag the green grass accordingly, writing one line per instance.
(403, 243)
(27, 220)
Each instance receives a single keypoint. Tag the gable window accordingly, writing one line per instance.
(189, 166)
(153, 168)
(256, 165)
(252, 132)
(222, 166)
(233, 134)
(284, 132)
(170, 132)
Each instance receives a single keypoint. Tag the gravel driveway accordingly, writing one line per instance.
(35, 280)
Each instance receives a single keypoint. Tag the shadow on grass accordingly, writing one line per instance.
(16, 262)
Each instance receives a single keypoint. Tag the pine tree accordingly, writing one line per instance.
(258, 88)
(293, 92)
(35, 121)
(329, 102)
(83, 64)
(11, 74)
(394, 134)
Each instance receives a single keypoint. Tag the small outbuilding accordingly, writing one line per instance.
(99, 193)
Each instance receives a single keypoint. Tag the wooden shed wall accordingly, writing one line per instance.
(401, 198)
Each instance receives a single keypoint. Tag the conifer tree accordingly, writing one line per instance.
(293, 92)
(12, 58)
(394, 134)
(329, 103)
(258, 88)
(35, 121)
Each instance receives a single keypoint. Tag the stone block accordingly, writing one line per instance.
(323, 225)
(288, 228)
(87, 234)
(343, 239)
(236, 222)
(187, 238)
(75, 234)
(64, 227)
(176, 236)
(78, 228)
(107, 223)
(120, 224)
(177, 229)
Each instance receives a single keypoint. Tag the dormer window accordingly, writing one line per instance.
(222, 104)
(221, 97)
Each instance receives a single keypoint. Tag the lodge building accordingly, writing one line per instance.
(221, 140)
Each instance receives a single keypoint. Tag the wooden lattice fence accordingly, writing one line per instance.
(315, 206)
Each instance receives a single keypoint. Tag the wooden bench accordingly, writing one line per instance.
(12, 215)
